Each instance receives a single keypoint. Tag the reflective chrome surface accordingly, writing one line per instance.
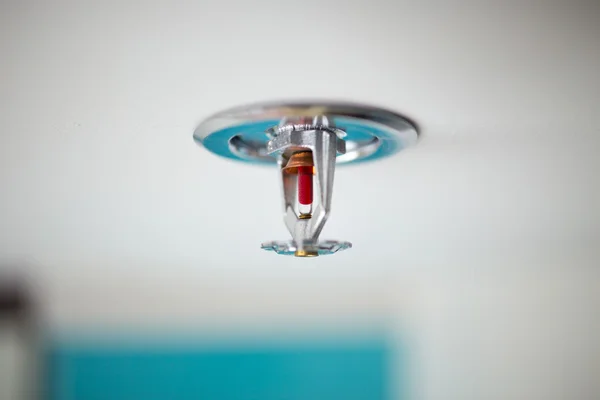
(242, 133)
(289, 248)
(325, 143)
(331, 133)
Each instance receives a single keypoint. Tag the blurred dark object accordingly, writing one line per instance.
(14, 302)
(17, 341)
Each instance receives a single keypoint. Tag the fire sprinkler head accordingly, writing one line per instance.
(306, 140)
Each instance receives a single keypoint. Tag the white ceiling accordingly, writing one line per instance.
(98, 104)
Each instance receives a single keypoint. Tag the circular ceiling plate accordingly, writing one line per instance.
(241, 133)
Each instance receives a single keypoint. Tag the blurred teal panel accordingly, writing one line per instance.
(345, 370)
